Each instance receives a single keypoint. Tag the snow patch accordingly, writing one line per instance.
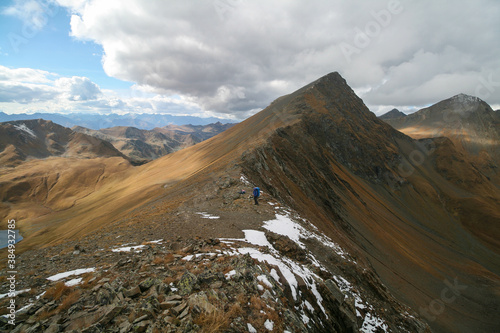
(269, 324)
(60, 276)
(15, 293)
(373, 324)
(73, 282)
(198, 255)
(308, 306)
(264, 280)
(244, 180)
(251, 329)
(285, 226)
(344, 285)
(275, 275)
(256, 238)
(137, 248)
(24, 128)
(205, 215)
(230, 274)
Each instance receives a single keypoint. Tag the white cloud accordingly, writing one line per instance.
(33, 13)
(26, 90)
(25, 85)
(27, 75)
(232, 56)
(78, 88)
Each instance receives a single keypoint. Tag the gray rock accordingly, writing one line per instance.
(183, 314)
(338, 296)
(216, 285)
(104, 297)
(111, 313)
(201, 301)
(176, 311)
(125, 327)
(141, 318)
(148, 283)
(169, 305)
(267, 295)
(173, 298)
(134, 292)
(142, 326)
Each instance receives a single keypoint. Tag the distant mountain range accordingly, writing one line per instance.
(142, 146)
(22, 140)
(98, 121)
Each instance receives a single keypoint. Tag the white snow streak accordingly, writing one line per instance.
(73, 282)
(137, 248)
(205, 215)
(15, 293)
(24, 128)
(264, 280)
(60, 276)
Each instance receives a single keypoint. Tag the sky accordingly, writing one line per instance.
(232, 58)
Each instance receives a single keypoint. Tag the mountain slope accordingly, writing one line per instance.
(358, 180)
(20, 140)
(415, 214)
(467, 121)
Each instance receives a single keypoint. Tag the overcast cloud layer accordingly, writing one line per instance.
(233, 57)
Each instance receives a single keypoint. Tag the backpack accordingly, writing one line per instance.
(256, 192)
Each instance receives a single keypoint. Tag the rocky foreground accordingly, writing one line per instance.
(269, 281)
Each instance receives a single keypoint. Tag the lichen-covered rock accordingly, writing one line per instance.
(148, 283)
(187, 283)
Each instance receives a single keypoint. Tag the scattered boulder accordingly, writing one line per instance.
(187, 283)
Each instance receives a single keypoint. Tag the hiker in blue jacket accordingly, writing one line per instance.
(256, 195)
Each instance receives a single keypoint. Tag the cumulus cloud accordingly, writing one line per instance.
(232, 56)
(78, 88)
(26, 90)
(25, 85)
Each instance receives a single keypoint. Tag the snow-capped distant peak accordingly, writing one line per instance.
(24, 128)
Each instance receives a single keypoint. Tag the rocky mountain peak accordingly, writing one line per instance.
(461, 104)
(466, 99)
(393, 114)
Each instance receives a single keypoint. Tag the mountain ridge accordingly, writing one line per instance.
(100, 121)
(469, 122)
(322, 153)
(24, 139)
(143, 146)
